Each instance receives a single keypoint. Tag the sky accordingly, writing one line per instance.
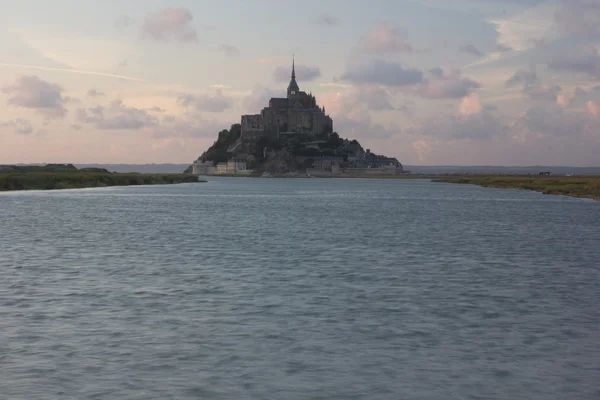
(431, 82)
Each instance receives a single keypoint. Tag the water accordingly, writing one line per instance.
(299, 289)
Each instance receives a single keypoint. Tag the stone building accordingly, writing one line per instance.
(295, 114)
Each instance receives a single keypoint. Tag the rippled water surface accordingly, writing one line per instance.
(299, 289)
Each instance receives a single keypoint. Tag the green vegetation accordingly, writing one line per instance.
(218, 151)
(574, 186)
(61, 177)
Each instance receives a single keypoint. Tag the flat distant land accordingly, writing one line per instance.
(574, 186)
(67, 176)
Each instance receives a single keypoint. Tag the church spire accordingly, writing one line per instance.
(293, 88)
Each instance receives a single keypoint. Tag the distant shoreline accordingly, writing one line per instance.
(587, 187)
(16, 181)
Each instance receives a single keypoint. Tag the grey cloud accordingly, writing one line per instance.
(532, 86)
(173, 23)
(19, 126)
(229, 50)
(95, 93)
(584, 59)
(470, 49)
(544, 92)
(258, 98)
(580, 18)
(446, 84)
(556, 122)
(303, 73)
(326, 20)
(376, 98)
(116, 117)
(381, 72)
(210, 103)
(34, 93)
(503, 48)
(522, 77)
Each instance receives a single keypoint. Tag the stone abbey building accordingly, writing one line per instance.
(298, 113)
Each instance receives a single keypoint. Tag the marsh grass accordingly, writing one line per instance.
(82, 179)
(575, 186)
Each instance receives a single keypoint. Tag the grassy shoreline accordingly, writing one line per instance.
(574, 186)
(81, 179)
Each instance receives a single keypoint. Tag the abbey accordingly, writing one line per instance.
(298, 113)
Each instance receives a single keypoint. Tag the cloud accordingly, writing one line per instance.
(376, 98)
(580, 18)
(34, 93)
(123, 21)
(156, 109)
(303, 73)
(19, 126)
(326, 20)
(593, 108)
(386, 38)
(210, 103)
(259, 98)
(116, 117)
(472, 121)
(95, 93)
(381, 72)
(582, 59)
(445, 83)
(229, 50)
(351, 116)
(173, 23)
(522, 77)
(522, 30)
(77, 71)
(470, 105)
(532, 86)
(544, 92)
(470, 49)
(556, 122)
(578, 97)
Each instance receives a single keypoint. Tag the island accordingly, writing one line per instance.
(67, 176)
(292, 136)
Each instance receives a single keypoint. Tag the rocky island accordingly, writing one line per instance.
(292, 135)
(67, 176)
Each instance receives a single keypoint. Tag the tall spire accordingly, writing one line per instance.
(293, 88)
(293, 66)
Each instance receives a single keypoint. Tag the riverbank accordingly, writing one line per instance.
(83, 179)
(574, 186)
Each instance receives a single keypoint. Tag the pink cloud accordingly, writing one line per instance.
(171, 23)
(470, 105)
(593, 108)
(34, 93)
(386, 38)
